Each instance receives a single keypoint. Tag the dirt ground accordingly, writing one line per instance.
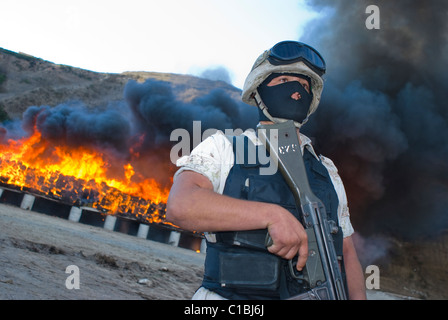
(417, 269)
(36, 249)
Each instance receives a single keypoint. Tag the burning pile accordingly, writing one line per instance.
(116, 158)
(79, 176)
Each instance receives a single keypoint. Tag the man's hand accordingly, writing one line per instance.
(193, 205)
(288, 236)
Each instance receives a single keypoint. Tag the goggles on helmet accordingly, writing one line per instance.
(287, 52)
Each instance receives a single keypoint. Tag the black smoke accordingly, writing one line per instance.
(383, 118)
(136, 129)
(217, 74)
(75, 124)
(157, 111)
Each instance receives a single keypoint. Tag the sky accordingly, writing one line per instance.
(174, 36)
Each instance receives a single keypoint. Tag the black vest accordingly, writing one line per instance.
(238, 265)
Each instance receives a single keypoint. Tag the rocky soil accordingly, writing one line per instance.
(36, 249)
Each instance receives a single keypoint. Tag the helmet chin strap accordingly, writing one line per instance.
(264, 109)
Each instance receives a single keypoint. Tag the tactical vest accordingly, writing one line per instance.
(238, 265)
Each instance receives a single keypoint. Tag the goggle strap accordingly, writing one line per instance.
(310, 65)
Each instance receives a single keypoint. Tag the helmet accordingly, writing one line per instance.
(286, 57)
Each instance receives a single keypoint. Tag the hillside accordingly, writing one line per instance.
(27, 81)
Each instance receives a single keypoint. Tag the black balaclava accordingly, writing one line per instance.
(279, 102)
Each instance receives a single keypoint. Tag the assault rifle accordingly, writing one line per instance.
(321, 273)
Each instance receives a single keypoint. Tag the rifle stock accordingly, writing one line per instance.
(321, 272)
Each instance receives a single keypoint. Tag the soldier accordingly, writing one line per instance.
(215, 193)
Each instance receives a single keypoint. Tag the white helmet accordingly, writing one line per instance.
(286, 57)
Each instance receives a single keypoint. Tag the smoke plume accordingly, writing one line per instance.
(383, 117)
(74, 123)
(219, 73)
(157, 112)
(136, 129)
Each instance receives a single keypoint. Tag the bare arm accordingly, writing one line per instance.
(193, 205)
(355, 276)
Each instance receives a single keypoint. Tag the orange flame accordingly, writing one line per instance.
(80, 176)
